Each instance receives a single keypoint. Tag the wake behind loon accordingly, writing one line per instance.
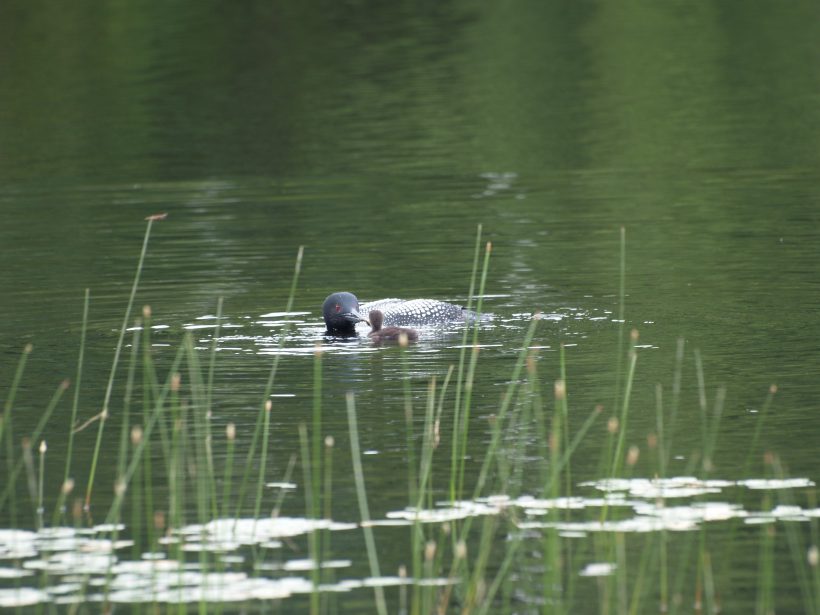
(341, 312)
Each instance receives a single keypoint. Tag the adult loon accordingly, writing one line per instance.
(341, 312)
(388, 334)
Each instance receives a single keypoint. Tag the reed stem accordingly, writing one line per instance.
(110, 386)
(311, 505)
(468, 386)
(33, 437)
(77, 382)
(361, 495)
(455, 449)
(261, 417)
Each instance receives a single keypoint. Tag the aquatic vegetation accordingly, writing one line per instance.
(190, 520)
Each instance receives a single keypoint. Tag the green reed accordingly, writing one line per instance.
(7, 437)
(141, 438)
(621, 318)
(506, 403)
(616, 464)
(660, 471)
(227, 476)
(316, 432)
(41, 481)
(796, 542)
(16, 466)
(209, 388)
(464, 425)
(327, 497)
(364, 509)
(421, 494)
(412, 479)
(264, 410)
(184, 440)
(103, 415)
(6, 423)
(764, 603)
(77, 385)
(206, 489)
(455, 448)
(125, 427)
(150, 402)
(311, 506)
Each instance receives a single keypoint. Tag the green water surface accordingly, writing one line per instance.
(378, 136)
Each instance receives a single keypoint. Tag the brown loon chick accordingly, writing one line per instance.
(388, 334)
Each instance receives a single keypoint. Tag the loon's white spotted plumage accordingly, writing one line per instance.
(342, 311)
(415, 312)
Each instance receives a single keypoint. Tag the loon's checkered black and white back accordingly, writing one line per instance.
(417, 312)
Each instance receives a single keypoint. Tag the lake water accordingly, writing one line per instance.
(379, 137)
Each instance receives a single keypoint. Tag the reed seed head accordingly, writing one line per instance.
(403, 339)
(430, 550)
(461, 550)
(330, 442)
(176, 379)
(560, 390)
(402, 571)
(68, 486)
(489, 247)
(65, 384)
(634, 336)
(652, 440)
(136, 435)
(612, 425)
(120, 487)
(632, 455)
(77, 510)
(156, 217)
(317, 349)
(436, 433)
(146, 312)
(531, 363)
(446, 528)
(268, 406)
(773, 389)
(43, 447)
(159, 520)
(104, 414)
(28, 348)
(813, 556)
(230, 432)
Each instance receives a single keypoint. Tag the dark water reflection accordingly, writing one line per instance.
(379, 137)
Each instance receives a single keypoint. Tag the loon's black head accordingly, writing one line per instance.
(341, 312)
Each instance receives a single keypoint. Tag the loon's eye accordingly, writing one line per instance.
(338, 308)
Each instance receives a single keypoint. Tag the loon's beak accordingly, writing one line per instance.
(354, 317)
